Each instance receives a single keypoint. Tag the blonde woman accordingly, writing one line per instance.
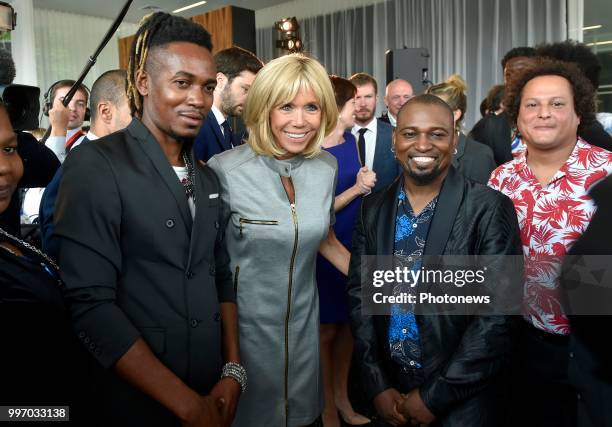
(473, 159)
(278, 197)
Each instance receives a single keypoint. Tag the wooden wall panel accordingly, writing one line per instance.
(219, 25)
(125, 44)
(228, 26)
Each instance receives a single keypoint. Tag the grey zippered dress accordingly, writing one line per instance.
(273, 247)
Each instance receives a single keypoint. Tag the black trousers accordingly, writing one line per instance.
(540, 391)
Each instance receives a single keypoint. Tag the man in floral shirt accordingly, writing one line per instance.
(548, 184)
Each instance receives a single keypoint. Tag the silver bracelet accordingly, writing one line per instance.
(236, 371)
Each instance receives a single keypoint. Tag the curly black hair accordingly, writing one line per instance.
(517, 52)
(158, 29)
(582, 89)
(576, 52)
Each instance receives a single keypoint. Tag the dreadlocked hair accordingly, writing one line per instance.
(157, 29)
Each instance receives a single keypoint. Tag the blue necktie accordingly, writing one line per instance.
(228, 136)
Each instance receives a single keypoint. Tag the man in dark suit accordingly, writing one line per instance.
(236, 70)
(110, 112)
(495, 129)
(373, 136)
(143, 257)
(423, 369)
(397, 93)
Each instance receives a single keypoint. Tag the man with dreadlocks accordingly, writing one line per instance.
(143, 259)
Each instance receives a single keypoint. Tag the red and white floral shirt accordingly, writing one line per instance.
(551, 219)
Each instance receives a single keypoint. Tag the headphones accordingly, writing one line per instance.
(49, 94)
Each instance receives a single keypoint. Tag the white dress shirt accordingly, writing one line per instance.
(219, 116)
(370, 141)
(57, 144)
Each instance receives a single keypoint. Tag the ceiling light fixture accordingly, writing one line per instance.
(599, 43)
(182, 9)
(592, 27)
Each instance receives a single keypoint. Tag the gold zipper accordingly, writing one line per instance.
(236, 279)
(288, 314)
(255, 221)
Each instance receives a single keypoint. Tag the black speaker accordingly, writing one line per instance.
(410, 64)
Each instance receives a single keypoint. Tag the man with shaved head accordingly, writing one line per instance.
(397, 93)
(421, 368)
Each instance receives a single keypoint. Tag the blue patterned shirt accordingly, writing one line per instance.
(410, 237)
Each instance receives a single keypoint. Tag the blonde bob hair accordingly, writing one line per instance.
(278, 83)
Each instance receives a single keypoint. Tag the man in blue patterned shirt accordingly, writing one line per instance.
(425, 368)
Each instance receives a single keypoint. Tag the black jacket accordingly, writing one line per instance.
(589, 368)
(496, 132)
(136, 264)
(474, 160)
(461, 355)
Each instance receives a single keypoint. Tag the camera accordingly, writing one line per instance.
(21, 101)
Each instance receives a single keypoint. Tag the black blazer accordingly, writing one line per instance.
(496, 132)
(461, 355)
(589, 368)
(135, 264)
(474, 160)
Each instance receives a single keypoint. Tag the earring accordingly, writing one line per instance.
(455, 152)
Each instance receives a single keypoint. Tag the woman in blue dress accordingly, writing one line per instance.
(336, 340)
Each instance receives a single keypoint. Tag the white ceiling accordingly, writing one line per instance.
(110, 8)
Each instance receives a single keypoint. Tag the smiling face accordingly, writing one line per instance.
(296, 123)
(177, 88)
(424, 142)
(11, 167)
(546, 117)
(234, 94)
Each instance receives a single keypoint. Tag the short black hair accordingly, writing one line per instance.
(582, 90)
(517, 52)
(110, 86)
(428, 99)
(578, 53)
(7, 67)
(234, 60)
(158, 29)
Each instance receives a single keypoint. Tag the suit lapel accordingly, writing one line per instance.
(195, 244)
(154, 152)
(447, 207)
(216, 127)
(385, 225)
(381, 150)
